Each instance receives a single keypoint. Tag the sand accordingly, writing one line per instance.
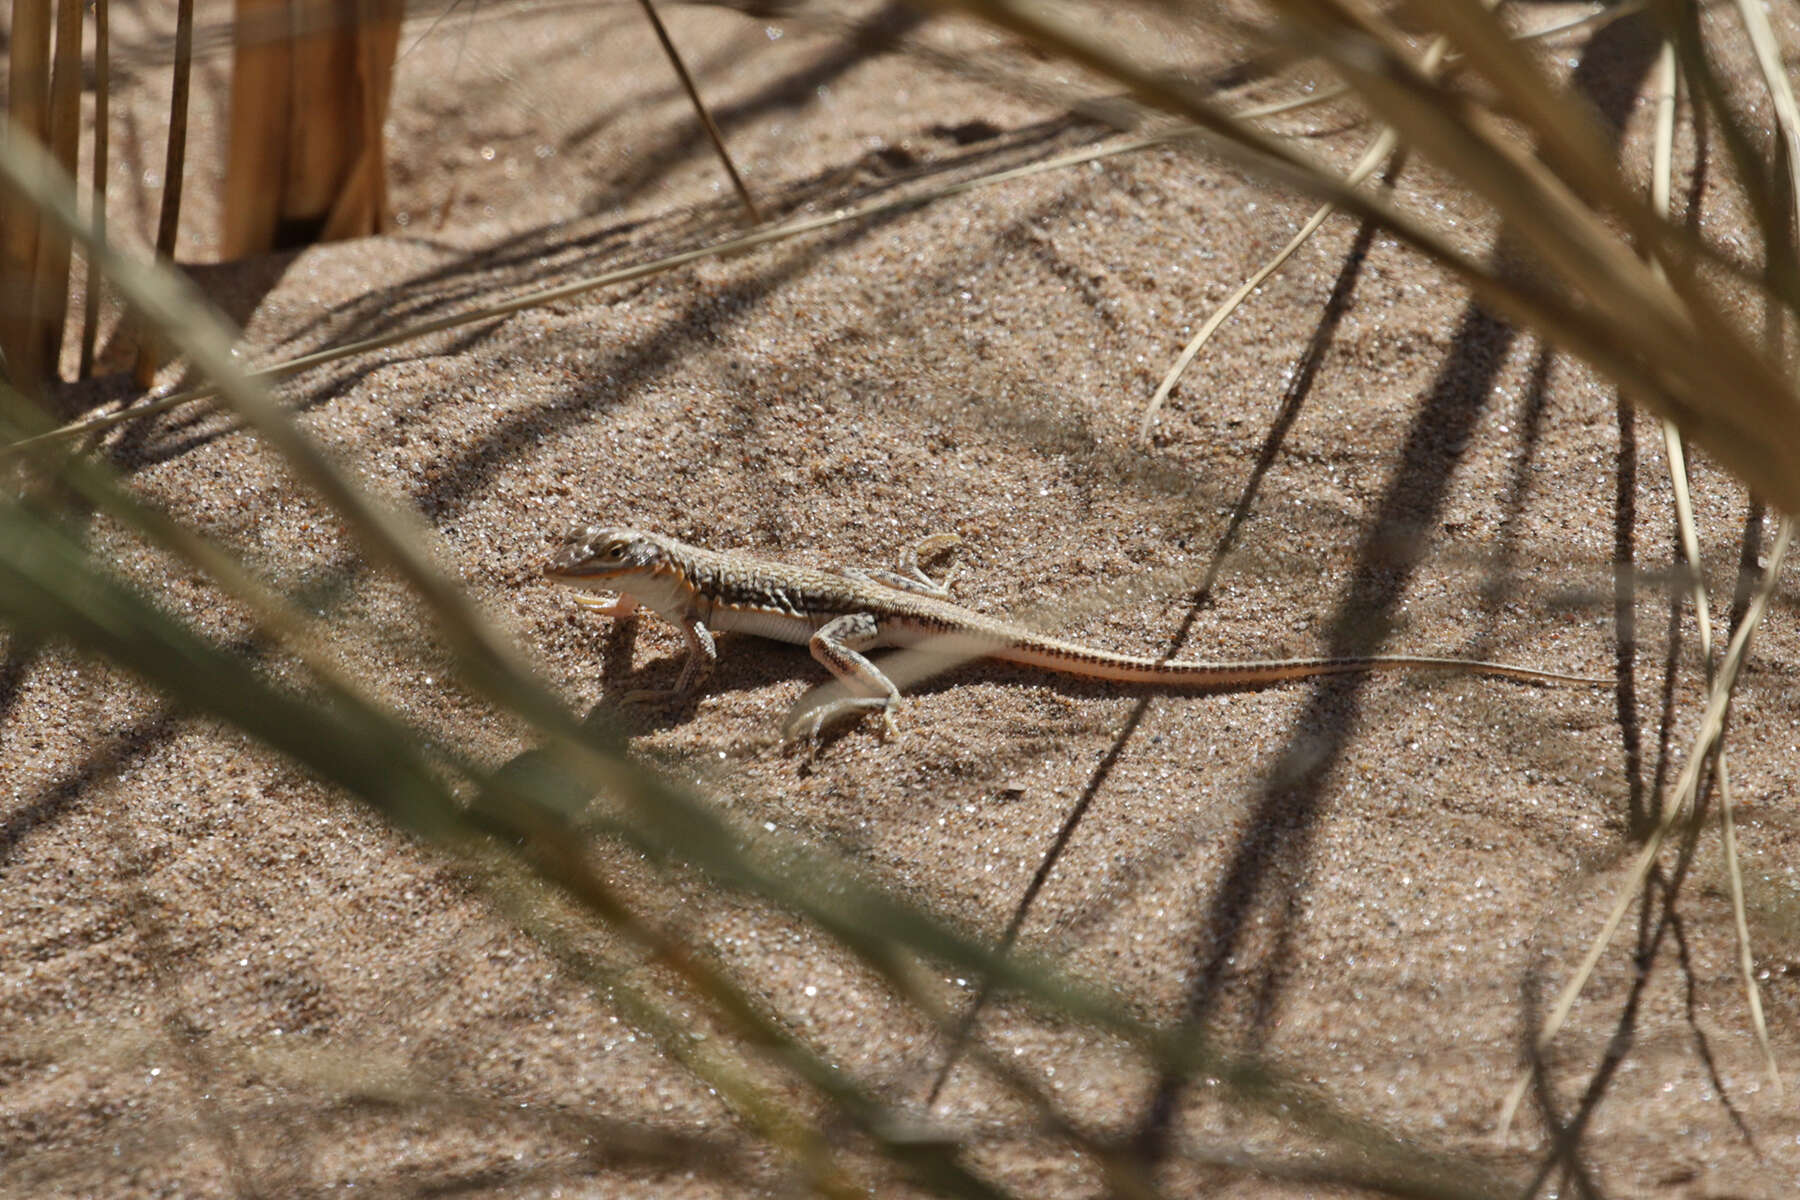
(218, 976)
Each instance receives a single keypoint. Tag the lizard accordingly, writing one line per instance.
(839, 613)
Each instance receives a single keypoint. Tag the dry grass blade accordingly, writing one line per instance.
(1573, 324)
(1378, 150)
(1573, 238)
(1768, 58)
(42, 599)
(296, 631)
(1781, 92)
(1566, 134)
(1373, 157)
(168, 221)
(1674, 349)
(1734, 876)
(877, 927)
(50, 587)
(1680, 801)
(166, 302)
(779, 1076)
(722, 1064)
(1325, 95)
(54, 589)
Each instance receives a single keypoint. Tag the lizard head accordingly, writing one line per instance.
(596, 555)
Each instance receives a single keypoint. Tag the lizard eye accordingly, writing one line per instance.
(611, 552)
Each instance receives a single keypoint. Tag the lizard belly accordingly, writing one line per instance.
(779, 626)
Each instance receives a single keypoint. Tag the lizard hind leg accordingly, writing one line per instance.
(926, 547)
(838, 648)
(908, 576)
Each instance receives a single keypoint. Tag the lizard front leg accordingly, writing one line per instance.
(838, 647)
(702, 655)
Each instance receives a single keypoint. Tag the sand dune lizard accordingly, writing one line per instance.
(840, 613)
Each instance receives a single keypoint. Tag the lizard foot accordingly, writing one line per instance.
(807, 726)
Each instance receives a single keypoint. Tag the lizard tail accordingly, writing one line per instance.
(1069, 659)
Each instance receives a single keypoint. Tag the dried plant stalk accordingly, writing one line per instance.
(361, 206)
(27, 106)
(90, 313)
(255, 154)
(309, 95)
(62, 134)
(168, 224)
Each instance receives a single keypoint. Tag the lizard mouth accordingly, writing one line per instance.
(562, 567)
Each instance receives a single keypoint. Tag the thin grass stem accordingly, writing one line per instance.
(700, 109)
(90, 313)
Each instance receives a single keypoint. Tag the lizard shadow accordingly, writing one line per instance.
(748, 663)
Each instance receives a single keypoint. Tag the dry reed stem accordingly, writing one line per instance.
(1768, 57)
(1669, 342)
(27, 104)
(1661, 173)
(1681, 799)
(1378, 150)
(168, 223)
(362, 208)
(661, 820)
(306, 160)
(255, 154)
(1384, 144)
(90, 313)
